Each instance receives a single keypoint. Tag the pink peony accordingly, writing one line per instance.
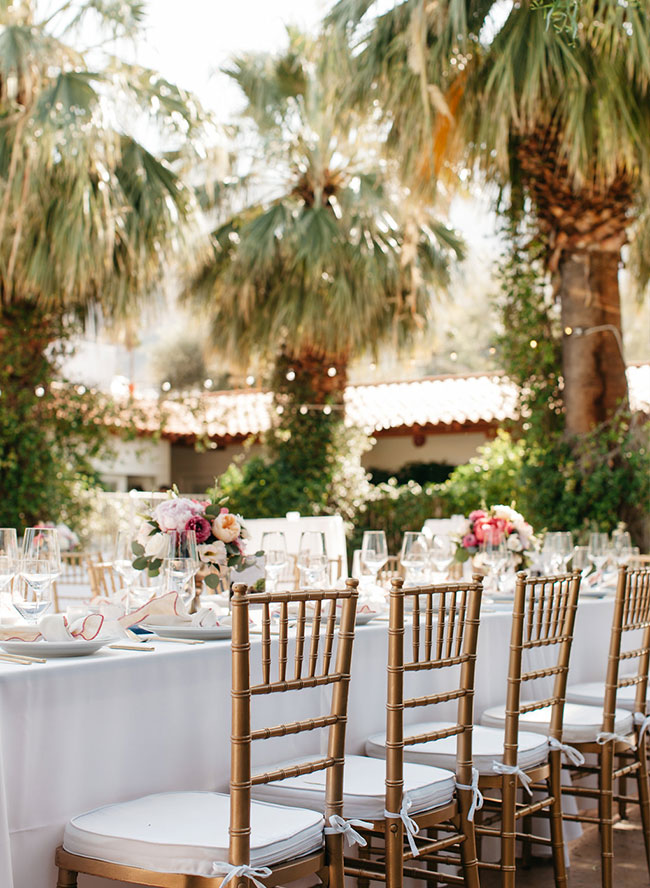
(479, 528)
(469, 541)
(200, 526)
(173, 514)
(476, 514)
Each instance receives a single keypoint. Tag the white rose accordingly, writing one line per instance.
(514, 543)
(213, 553)
(226, 527)
(144, 532)
(156, 546)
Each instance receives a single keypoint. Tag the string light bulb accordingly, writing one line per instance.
(304, 410)
(250, 380)
(533, 343)
(331, 371)
(327, 410)
(39, 391)
(291, 375)
(568, 331)
(207, 384)
(166, 386)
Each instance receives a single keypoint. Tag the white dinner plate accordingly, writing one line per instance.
(206, 633)
(77, 648)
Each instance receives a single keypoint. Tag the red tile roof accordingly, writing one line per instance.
(438, 403)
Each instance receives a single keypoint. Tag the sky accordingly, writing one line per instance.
(190, 40)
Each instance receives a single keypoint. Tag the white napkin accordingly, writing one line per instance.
(57, 627)
(169, 610)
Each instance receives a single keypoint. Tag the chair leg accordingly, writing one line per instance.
(622, 790)
(607, 814)
(67, 879)
(526, 846)
(508, 827)
(468, 856)
(644, 795)
(365, 854)
(335, 866)
(394, 842)
(557, 830)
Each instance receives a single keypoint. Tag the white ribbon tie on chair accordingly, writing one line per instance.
(574, 755)
(643, 723)
(524, 779)
(477, 795)
(346, 827)
(411, 827)
(606, 736)
(231, 871)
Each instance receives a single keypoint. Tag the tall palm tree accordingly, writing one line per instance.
(554, 107)
(325, 255)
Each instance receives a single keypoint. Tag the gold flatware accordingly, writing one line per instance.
(132, 647)
(22, 658)
(177, 640)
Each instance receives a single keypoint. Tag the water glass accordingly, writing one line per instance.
(621, 547)
(580, 560)
(40, 565)
(122, 562)
(312, 559)
(374, 551)
(414, 555)
(441, 554)
(180, 565)
(9, 561)
(274, 546)
(598, 549)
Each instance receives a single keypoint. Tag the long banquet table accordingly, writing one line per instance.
(80, 733)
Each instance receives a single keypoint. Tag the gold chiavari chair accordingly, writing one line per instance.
(104, 580)
(621, 735)
(192, 850)
(75, 569)
(397, 800)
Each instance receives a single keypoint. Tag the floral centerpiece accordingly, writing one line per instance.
(497, 524)
(220, 536)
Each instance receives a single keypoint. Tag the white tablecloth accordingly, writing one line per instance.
(77, 734)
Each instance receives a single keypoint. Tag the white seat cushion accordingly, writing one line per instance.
(582, 724)
(186, 832)
(364, 788)
(487, 747)
(592, 693)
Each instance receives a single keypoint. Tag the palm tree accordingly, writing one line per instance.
(325, 255)
(550, 100)
(88, 215)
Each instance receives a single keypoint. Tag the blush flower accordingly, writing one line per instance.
(200, 526)
(469, 541)
(226, 527)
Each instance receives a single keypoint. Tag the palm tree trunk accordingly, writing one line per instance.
(595, 384)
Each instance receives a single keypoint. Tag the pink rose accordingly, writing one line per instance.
(491, 532)
(476, 514)
(200, 526)
(479, 528)
(226, 527)
(469, 541)
(173, 514)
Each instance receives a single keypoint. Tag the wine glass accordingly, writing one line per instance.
(621, 547)
(441, 554)
(374, 551)
(122, 562)
(597, 550)
(580, 560)
(564, 548)
(180, 565)
(274, 546)
(9, 563)
(312, 558)
(552, 553)
(40, 565)
(413, 555)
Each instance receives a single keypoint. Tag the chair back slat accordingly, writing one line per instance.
(450, 614)
(325, 661)
(543, 617)
(631, 614)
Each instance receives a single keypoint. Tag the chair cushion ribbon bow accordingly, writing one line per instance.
(477, 795)
(340, 825)
(605, 736)
(524, 779)
(410, 826)
(231, 871)
(643, 723)
(574, 755)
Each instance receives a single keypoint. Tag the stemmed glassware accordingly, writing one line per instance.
(493, 555)
(180, 565)
(374, 551)
(580, 560)
(441, 554)
(9, 562)
(274, 546)
(312, 559)
(597, 549)
(414, 556)
(122, 562)
(40, 565)
(621, 547)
